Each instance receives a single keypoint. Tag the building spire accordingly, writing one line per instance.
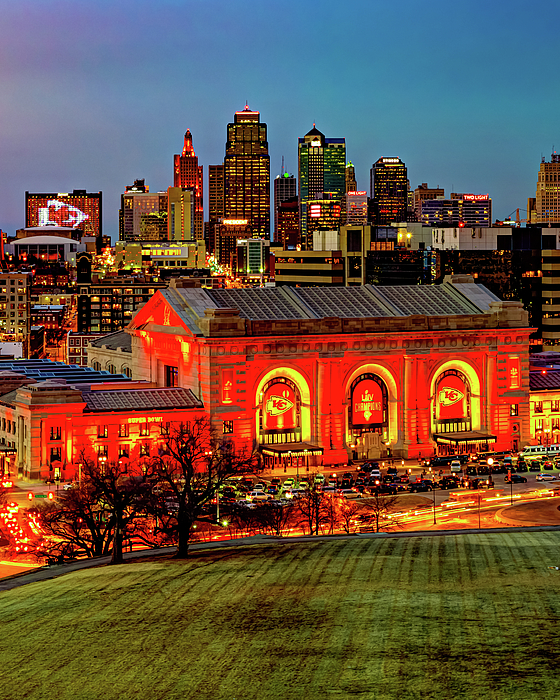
(188, 149)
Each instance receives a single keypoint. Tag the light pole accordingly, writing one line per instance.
(290, 458)
(434, 490)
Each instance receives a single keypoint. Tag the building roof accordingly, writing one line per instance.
(140, 399)
(275, 303)
(544, 380)
(73, 374)
(113, 341)
(266, 310)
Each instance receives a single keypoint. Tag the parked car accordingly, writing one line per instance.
(288, 484)
(547, 477)
(535, 466)
(348, 476)
(368, 466)
(420, 486)
(517, 479)
(319, 479)
(258, 496)
(385, 489)
(348, 493)
(522, 467)
(456, 465)
(448, 482)
(549, 466)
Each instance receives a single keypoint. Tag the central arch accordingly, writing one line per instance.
(302, 386)
(392, 401)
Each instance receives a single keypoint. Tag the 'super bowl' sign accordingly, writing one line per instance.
(367, 403)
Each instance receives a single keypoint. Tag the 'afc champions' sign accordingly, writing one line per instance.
(279, 408)
(452, 398)
(367, 403)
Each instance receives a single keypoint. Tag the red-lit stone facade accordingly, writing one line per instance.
(346, 387)
(47, 426)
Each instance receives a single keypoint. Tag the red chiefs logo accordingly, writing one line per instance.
(277, 405)
(448, 396)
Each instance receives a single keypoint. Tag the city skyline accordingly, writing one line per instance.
(97, 96)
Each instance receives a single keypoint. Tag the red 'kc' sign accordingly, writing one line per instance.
(451, 398)
(279, 407)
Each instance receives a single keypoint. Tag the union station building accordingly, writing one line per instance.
(325, 374)
(309, 376)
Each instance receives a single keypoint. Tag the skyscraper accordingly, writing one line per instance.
(187, 174)
(547, 203)
(247, 173)
(322, 176)
(143, 215)
(351, 182)
(389, 191)
(285, 188)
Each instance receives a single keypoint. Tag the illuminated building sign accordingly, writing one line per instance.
(235, 222)
(391, 160)
(145, 419)
(58, 213)
(451, 397)
(315, 211)
(368, 402)
(227, 386)
(358, 193)
(514, 372)
(476, 197)
(315, 144)
(279, 407)
(79, 209)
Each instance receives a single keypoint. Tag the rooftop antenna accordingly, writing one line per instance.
(282, 165)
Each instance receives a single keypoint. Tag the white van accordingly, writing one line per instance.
(455, 465)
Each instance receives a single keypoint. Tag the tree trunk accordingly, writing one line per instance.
(117, 557)
(184, 532)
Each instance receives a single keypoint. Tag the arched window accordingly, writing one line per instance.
(368, 404)
(96, 366)
(126, 371)
(280, 412)
(451, 410)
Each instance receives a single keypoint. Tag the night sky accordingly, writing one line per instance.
(96, 94)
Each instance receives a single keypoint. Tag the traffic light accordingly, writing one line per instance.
(30, 495)
(51, 495)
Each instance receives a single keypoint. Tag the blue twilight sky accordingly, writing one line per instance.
(97, 93)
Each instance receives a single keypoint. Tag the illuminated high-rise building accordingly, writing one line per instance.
(180, 214)
(389, 191)
(187, 174)
(285, 188)
(351, 182)
(247, 173)
(215, 204)
(547, 204)
(143, 214)
(322, 176)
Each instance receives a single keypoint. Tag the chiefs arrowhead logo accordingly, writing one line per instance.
(277, 405)
(449, 396)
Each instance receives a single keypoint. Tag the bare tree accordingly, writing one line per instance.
(381, 509)
(195, 463)
(77, 525)
(346, 512)
(314, 508)
(276, 517)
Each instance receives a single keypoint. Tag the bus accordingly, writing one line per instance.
(532, 452)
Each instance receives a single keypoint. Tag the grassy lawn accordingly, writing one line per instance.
(454, 617)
